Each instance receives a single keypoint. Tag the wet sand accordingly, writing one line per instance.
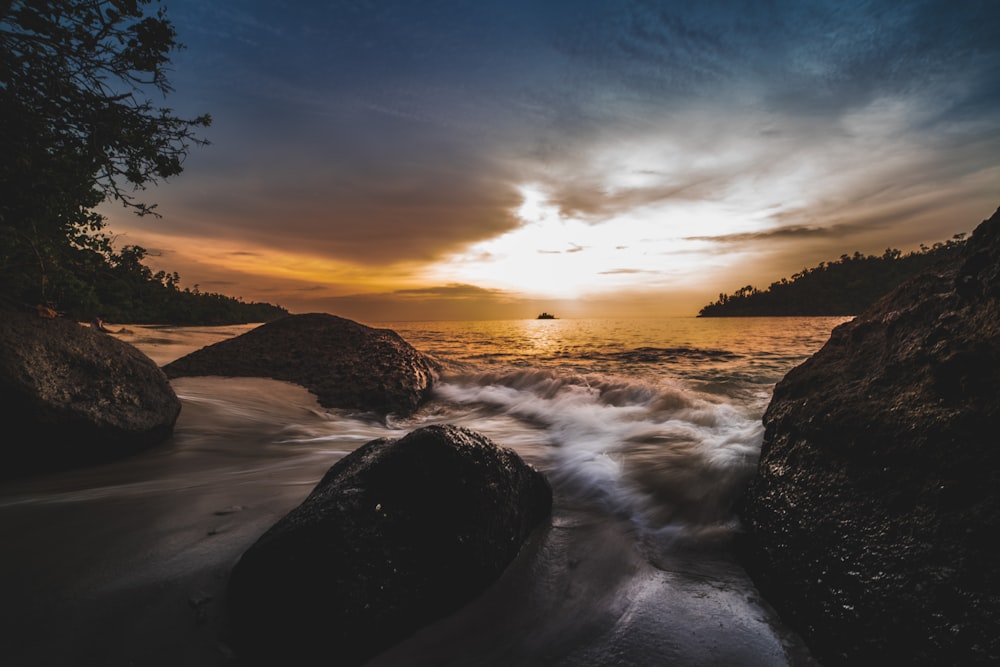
(126, 563)
(575, 597)
(141, 580)
(137, 580)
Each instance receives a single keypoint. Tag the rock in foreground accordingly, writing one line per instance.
(346, 364)
(397, 534)
(872, 520)
(71, 396)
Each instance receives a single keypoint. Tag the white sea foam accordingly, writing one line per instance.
(652, 452)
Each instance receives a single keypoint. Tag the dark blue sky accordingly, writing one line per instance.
(478, 158)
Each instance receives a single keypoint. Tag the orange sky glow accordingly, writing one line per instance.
(593, 159)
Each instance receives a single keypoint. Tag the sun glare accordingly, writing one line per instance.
(559, 256)
(534, 208)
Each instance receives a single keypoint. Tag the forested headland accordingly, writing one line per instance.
(118, 287)
(846, 286)
(124, 290)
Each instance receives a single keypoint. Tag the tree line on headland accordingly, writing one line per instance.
(118, 287)
(78, 127)
(123, 289)
(846, 286)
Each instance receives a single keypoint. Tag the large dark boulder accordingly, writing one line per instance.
(397, 534)
(871, 524)
(70, 395)
(344, 363)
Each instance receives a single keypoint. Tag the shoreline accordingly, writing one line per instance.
(152, 592)
(127, 562)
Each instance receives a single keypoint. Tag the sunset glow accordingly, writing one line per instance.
(593, 153)
(560, 256)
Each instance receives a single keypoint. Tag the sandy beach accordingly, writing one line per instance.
(126, 563)
(141, 580)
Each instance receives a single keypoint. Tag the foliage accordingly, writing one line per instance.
(77, 127)
(128, 291)
(843, 287)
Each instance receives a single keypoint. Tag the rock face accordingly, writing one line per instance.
(396, 534)
(346, 364)
(74, 396)
(872, 521)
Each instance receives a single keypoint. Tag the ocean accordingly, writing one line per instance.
(647, 429)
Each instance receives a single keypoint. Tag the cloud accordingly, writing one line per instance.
(309, 289)
(791, 233)
(573, 248)
(589, 197)
(501, 305)
(452, 291)
(452, 301)
(375, 209)
(626, 272)
(387, 136)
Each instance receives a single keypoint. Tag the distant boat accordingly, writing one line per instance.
(546, 316)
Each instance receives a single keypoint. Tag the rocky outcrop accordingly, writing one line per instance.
(397, 534)
(345, 364)
(70, 395)
(871, 523)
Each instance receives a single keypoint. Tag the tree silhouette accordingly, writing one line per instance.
(843, 287)
(128, 291)
(78, 126)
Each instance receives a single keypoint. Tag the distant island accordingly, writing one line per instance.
(846, 286)
(546, 316)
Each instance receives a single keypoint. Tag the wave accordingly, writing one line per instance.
(663, 354)
(654, 452)
(596, 359)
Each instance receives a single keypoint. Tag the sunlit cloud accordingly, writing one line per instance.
(561, 256)
(542, 151)
(218, 263)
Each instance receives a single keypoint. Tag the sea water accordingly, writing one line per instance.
(647, 429)
(658, 420)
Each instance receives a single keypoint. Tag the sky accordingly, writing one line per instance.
(389, 160)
